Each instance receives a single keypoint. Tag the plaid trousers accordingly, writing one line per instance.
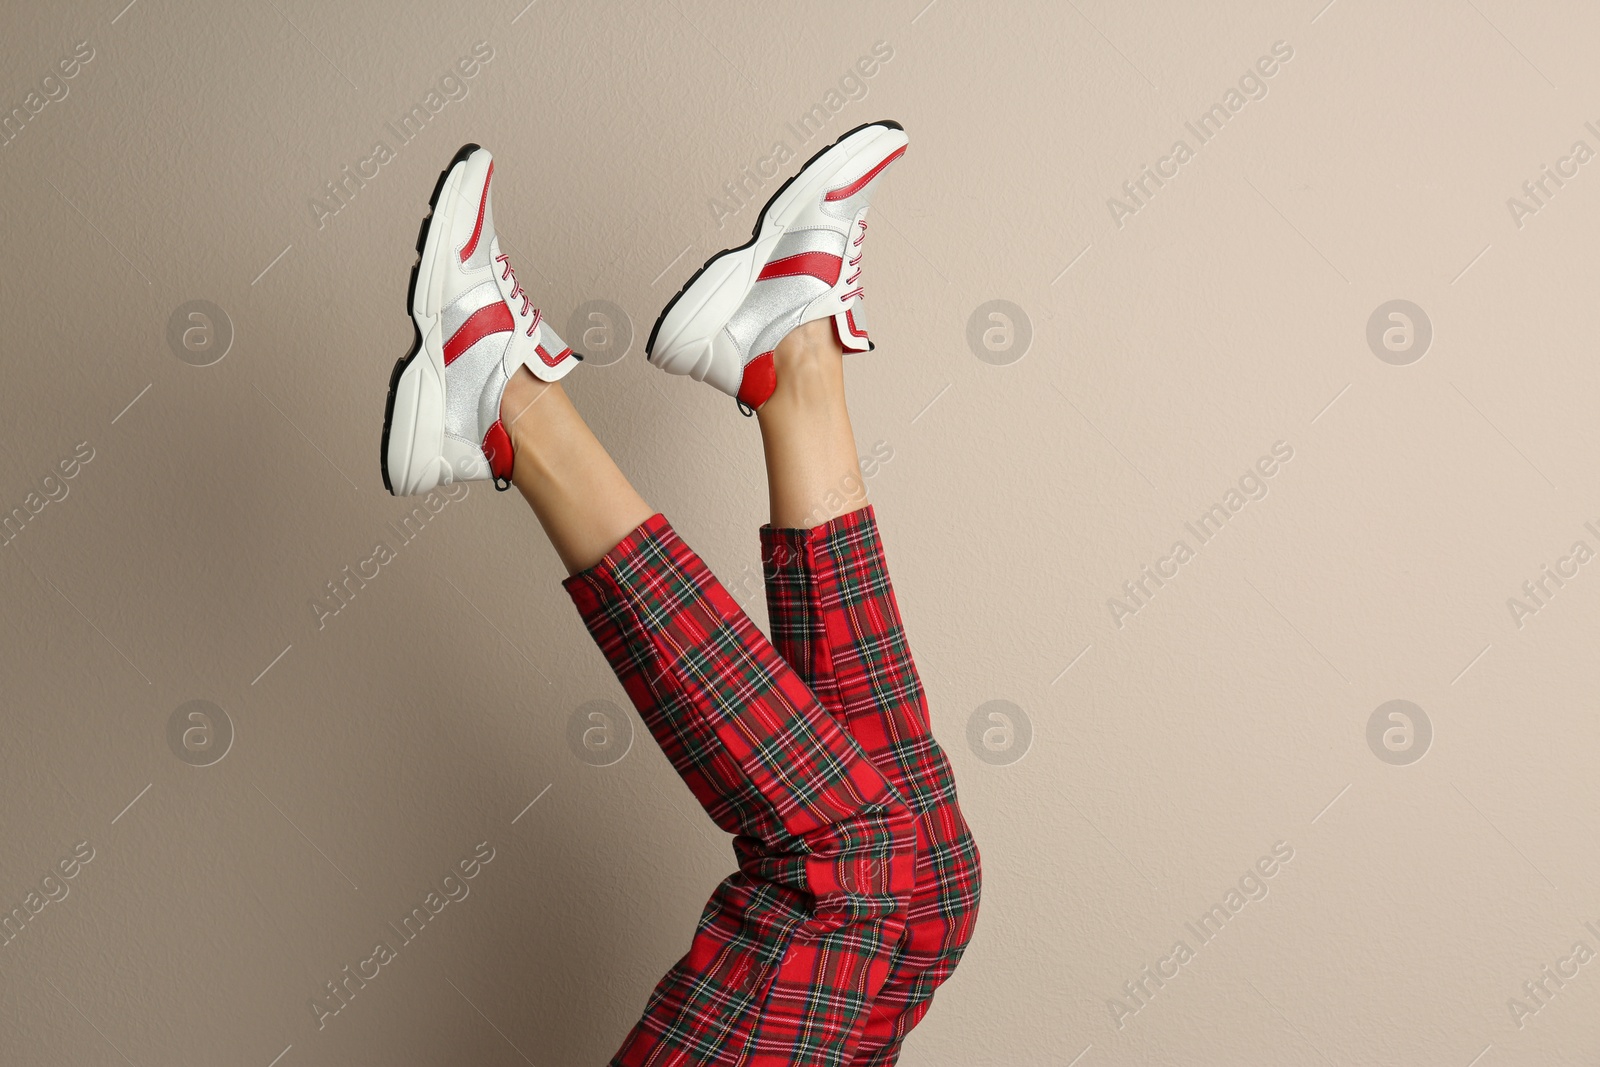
(858, 880)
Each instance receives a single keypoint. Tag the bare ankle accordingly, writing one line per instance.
(809, 366)
(523, 391)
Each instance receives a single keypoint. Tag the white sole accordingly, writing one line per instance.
(415, 460)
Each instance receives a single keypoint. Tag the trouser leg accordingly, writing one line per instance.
(793, 949)
(835, 619)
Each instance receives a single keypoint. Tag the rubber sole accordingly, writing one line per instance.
(411, 298)
(755, 232)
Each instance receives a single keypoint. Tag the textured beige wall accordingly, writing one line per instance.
(1147, 757)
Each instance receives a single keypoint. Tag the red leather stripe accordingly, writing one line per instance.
(850, 318)
(477, 231)
(548, 359)
(491, 318)
(817, 264)
(860, 183)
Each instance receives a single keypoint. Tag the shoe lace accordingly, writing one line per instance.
(861, 236)
(516, 290)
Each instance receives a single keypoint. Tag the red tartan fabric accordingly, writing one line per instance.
(835, 619)
(792, 949)
(858, 879)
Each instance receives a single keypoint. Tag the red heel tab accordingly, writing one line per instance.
(497, 450)
(760, 379)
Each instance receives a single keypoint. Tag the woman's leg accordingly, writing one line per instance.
(582, 500)
(792, 950)
(812, 473)
(834, 618)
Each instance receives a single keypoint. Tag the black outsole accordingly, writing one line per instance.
(411, 294)
(755, 232)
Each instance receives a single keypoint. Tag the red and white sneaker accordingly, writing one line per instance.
(802, 263)
(475, 326)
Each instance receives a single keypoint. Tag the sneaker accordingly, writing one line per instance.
(474, 327)
(802, 263)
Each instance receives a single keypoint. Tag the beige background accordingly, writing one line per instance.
(1168, 353)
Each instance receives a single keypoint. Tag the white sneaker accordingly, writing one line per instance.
(475, 326)
(802, 263)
